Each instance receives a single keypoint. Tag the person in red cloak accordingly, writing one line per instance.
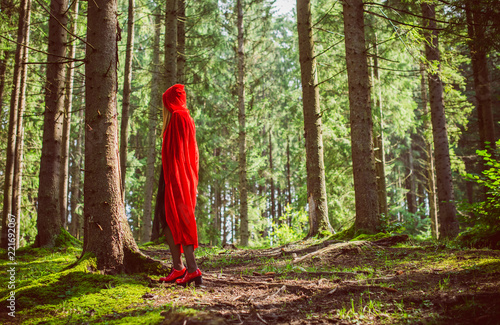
(180, 165)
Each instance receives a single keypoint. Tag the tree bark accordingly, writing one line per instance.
(127, 89)
(154, 106)
(171, 43)
(18, 160)
(50, 220)
(242, 159)
(316, 188)
(68, 103)
(363, 160)
(378, 138)
(273, 213)
(410, 184)
(181, 41)
(478, 46)
(288, 175)
(107, 234)
(448, 222)
(23, 27)
(429, 157)
(76, 217)
(217, 215)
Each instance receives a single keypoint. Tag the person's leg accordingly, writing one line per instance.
(193, 274)
(190, 259)
(175, 250)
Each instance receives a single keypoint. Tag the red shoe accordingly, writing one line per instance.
(190, 277)
(174, 275)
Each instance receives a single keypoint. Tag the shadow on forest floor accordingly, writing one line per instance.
(308, 282)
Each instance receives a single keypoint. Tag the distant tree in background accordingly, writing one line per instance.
(242, 145)
(447, 215)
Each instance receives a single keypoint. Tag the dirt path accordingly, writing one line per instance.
(340, 283)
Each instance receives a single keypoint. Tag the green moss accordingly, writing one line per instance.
(345, 234)
(372, 237)
(64, 239)
(54, 286)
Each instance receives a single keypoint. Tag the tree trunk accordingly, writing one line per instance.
(378, 138)
(181, 41)
(107, 234)
(224, 218)
(127, 89)
(280, 206)
(316, 188)
(159, 212)
(288, 175)
(50, 220)
(171, 43)
(23, 27)
(411, 198)
(273, 213)
(429, 157)
(212, 214)
(68, 103)
(18, 160)
(363, 159)
(448, 222)
(76, 217)
(478, 46)
(154, 105)
(242, 160)
(217, 213)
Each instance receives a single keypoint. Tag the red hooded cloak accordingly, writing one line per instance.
(180, 158)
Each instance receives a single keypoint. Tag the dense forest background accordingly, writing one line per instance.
(260, 97)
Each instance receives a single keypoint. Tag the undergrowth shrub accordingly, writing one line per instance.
(484, 216)
(284, 233)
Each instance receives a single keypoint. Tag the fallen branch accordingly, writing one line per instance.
(328, 249)
(283, 288)
(372, 280)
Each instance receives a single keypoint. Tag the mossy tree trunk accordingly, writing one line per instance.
(107, 233)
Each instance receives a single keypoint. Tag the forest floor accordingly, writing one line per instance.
(307, 282)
